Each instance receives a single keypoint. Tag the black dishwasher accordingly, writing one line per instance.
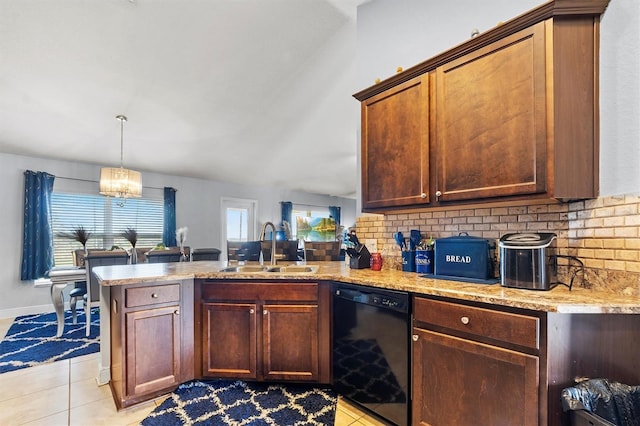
(371, 349)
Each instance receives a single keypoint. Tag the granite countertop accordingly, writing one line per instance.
(560, 299)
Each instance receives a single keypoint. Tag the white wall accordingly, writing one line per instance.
(620, 98)
(197, 207)
(394, 33)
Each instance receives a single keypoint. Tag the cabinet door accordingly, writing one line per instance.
(229, 340)
(461, 382)
(152, 350)
(290, 339)
(395, 146)
(491, 131)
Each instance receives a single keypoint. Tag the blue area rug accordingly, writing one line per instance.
(235, 402)
(32, 340)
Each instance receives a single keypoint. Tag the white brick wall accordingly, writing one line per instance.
(604, 233)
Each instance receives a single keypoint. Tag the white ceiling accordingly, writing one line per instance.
(244, 91)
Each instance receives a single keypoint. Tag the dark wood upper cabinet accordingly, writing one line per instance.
(491, 127)
(395, 146)
(511, 114)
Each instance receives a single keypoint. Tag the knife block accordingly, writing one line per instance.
(362, 260)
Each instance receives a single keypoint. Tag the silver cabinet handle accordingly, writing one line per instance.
(265, 312)
(414, 337)
(154, 295)
(438, 194)
(177, 312)
(464, 320)
(423, 195)
(252, 311)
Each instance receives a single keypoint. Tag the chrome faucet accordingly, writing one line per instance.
(304, 251)
(273, 239)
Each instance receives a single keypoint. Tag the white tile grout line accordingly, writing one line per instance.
(69, 395)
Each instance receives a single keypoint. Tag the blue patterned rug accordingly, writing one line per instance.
(229, 402)
(32, 340)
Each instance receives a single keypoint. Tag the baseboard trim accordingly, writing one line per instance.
(104, 375)
(28, 310)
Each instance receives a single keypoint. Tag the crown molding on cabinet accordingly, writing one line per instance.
(555, 8)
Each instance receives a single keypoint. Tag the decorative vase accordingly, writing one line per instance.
(134, 256)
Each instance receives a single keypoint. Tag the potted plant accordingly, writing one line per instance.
(424, 256)
(80, 235)
(131, 235)
(181, 238)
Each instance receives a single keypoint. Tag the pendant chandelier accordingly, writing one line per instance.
(120, 182)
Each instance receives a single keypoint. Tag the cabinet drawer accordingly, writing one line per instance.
(152, 295)
(507, 327)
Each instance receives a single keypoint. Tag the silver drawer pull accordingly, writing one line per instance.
(464, 320)
(265, 312)
(414, 337)
(252, 311)
(177, 312)
(154, 295)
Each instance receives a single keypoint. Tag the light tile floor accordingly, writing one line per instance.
(66, 393)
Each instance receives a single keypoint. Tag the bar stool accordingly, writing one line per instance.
(91, 295)
(205, 254)
(164, 256)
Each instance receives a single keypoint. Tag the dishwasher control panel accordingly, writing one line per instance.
(395, 300)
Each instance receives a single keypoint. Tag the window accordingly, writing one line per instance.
(105, 220)
(238, 221)
(237, 224)
(312, 223)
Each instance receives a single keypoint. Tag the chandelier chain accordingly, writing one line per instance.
(122, 119)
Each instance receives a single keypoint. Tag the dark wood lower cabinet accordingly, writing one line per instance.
(462, 382)
(478, 364)
(263, 331)
(290, 342)
(472, 363)
(151, 339)
(230, 335)
(153, 349)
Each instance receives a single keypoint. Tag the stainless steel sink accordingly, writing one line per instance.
(289, 269)
(244, 268)
(294, 269)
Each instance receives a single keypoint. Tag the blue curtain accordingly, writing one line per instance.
(287, 208)
(37, 237)
(169, 227)
(334, 212)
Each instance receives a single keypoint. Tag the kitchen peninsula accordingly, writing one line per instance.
(547, 338)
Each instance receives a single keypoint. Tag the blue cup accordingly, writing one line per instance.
(409, 261)
(424, 261)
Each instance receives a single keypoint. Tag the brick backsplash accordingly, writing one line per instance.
(604, 233)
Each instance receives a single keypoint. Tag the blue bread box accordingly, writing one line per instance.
(465, 256)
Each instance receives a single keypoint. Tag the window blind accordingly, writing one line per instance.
(105, 220)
